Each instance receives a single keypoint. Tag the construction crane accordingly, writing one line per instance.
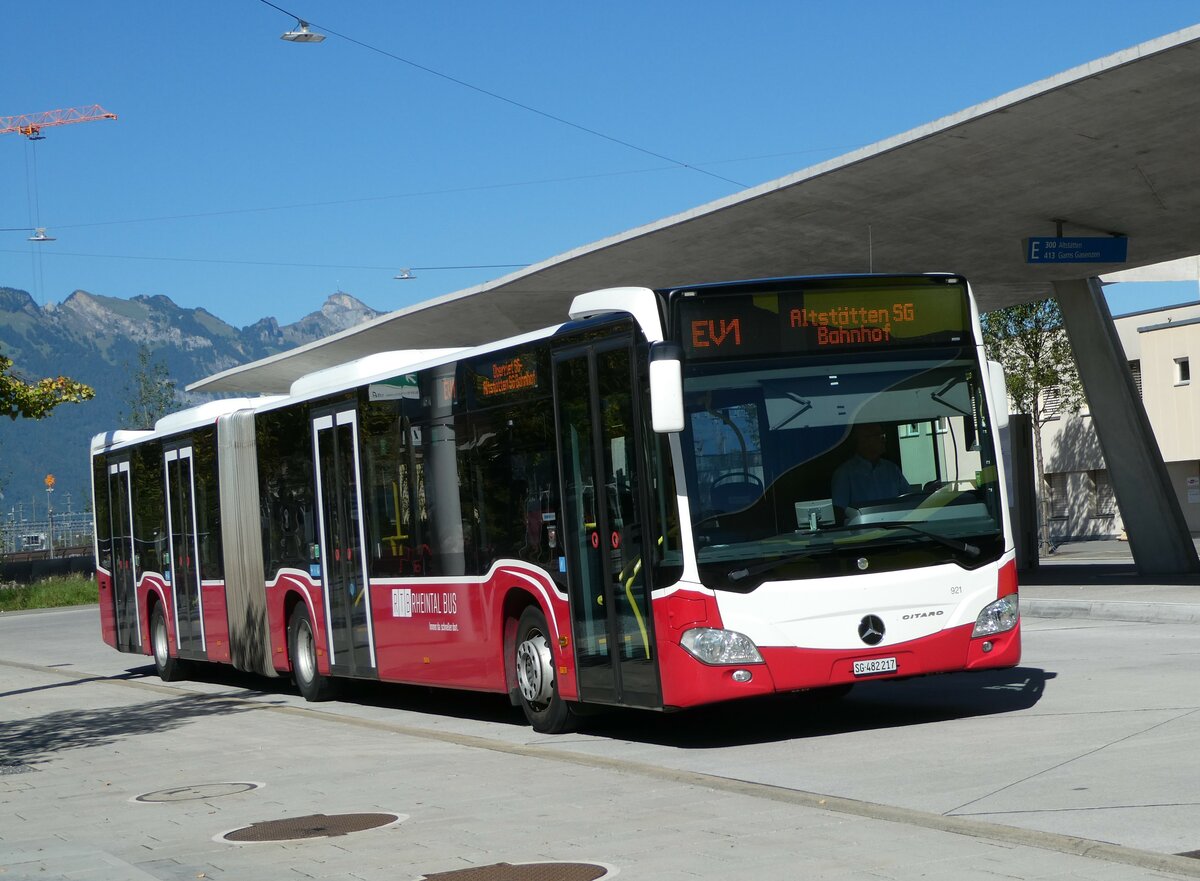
(31, 124)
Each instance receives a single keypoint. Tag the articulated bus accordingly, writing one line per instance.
(675, 498)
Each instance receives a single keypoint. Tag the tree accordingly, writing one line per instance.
(150, 394)
(1029, 340)
(20, 399)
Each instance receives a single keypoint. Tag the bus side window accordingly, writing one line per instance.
(392, 492)
(285, 473)
(149, 508)
(510, 484)
(100, 505)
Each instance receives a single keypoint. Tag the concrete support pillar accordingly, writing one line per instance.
(1022, 483)
(1158, 533)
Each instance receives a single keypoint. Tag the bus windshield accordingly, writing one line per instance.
(817, 465)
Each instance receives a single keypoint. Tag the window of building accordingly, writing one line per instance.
(1056, 487)
(1183, 371)
(1135, 370)
(1103, 502)
(1052, 402)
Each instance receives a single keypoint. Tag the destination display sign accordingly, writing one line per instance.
(822, 320)
(1080, 249)
(505, 376)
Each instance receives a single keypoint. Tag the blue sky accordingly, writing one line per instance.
(255, 177)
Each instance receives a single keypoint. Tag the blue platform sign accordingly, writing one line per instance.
(1077, 249)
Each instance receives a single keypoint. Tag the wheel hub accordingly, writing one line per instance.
(306, 661)
(161, 645)
(535, 671)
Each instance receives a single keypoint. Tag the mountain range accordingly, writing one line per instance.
(96, 340)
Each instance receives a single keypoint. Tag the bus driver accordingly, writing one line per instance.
(866, 476)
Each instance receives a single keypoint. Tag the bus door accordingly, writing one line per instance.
(342, 539)
(124, 557)
(603, 517)
(184, 570)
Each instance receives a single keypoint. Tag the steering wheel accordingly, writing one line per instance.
(737, 477)
(732, 479)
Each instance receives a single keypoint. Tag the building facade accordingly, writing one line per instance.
(1159, 345)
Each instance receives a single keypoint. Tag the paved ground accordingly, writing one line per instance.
(1081, 764)
(1097, 579)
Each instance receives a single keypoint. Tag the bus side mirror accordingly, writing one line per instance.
(998, 388)
(666, 387)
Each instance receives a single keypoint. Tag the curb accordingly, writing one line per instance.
(1108, 610)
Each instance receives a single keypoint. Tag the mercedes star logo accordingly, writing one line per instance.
(870, 629)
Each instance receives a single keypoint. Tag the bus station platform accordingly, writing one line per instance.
(108, 773)
(1097, 579)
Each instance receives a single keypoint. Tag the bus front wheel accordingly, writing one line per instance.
(302, 646)
(546, 711)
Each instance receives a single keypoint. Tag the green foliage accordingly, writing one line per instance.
(35, 400)
(1031, 343)
(72, 590)
(151, 394)
(1029, 340)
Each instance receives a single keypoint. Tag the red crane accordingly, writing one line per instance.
(31, 124)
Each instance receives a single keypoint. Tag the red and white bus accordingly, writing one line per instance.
(658, 504)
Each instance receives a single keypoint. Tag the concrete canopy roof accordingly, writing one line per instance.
(1111, 146)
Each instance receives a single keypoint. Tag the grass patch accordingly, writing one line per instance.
(67, 590)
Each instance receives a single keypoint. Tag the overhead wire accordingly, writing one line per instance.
(673, 163)
(423, 193)
(293, 264)
(497, 96)
(361, 199)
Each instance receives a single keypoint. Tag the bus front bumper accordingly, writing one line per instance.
(687, 682)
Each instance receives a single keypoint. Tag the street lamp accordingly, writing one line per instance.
(301, 34)
(50, 514)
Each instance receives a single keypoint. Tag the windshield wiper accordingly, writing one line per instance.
(970, 550)
(953, 543)
(758, 569)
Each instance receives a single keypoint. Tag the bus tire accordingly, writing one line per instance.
(537, 686)
(169, 669)
(302, 651)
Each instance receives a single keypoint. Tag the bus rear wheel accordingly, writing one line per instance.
(302, 649)
(168, 668)
(546, 711)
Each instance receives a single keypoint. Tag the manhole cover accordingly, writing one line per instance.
(1194, 854)
(13, 767)
(194, 793)
(524, 872)
(312, 826)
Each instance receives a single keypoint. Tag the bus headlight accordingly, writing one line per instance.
(716, 647)
(997, 617)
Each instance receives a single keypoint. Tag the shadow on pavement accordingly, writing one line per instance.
(481, 707)
(29, 741)
(868, 707)
(1098, 574)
